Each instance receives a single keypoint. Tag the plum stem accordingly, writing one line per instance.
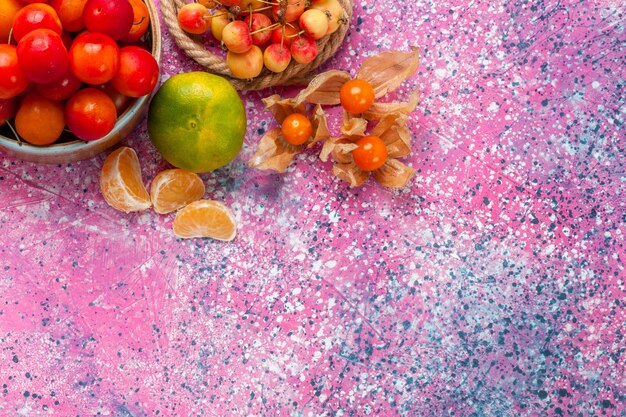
(17, 137)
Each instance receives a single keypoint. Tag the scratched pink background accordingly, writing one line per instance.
(492, 285)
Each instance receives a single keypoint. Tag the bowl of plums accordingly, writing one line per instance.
(76, 76)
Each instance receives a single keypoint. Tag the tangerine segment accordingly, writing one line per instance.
(205, 218)
(120, 181)
(175, 188)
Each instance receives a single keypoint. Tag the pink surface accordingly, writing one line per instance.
(492, 285)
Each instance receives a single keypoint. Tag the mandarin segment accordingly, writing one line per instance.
(175, 188)
(120, 181)
(205, 218)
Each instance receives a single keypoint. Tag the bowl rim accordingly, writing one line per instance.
(76, 150)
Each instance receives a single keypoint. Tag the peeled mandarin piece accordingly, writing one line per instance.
(205, 218)
(175, 188)
(120, 181)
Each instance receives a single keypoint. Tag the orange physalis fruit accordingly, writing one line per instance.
(120, 181)
(175, 188)
(371, 153)
(205, 218)
(356, 96)
(296, 129)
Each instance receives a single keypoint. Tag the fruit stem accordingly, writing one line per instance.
(270, 27)
(222, 14)
(295, 34)
(282, 35)
(17, 137)
(258, 9)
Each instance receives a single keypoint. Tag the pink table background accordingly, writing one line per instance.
(492, 285)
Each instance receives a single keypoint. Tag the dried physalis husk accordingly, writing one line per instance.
(273, 153)
(393, 174)
(350, 173)
(392, 129)
(380, 110)
(324, 88)
(327, 148)
(351, 126)
(339, 148)
(387, 70)
(342, 151)
(282, 107)
(320, 126)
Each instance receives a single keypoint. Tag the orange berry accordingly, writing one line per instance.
(371, 153)
(356, 96)
(296, 129)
